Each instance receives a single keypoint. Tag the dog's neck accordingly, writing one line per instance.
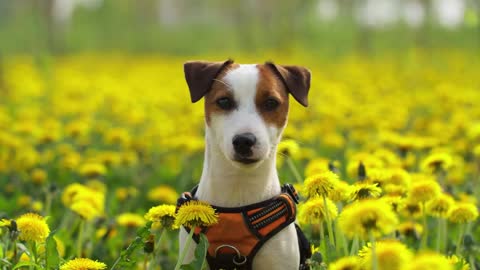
(222, 184)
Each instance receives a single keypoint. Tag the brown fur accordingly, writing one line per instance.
(270, 85)
(218, 90)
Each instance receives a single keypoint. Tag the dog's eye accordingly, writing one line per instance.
(270, 104)
(225, 103)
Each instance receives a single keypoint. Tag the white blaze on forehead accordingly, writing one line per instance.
(243, 82)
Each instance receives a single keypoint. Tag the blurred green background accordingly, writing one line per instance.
(190, 27)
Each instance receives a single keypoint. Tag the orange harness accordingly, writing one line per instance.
(241, 231)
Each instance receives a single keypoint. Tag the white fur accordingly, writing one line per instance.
(227, 183)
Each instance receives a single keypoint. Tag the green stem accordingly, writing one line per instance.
(354, 249)
(472, 262)
(34, 255)
(424, 240)
(439, 233)
(341, 239)
(459, 240)
(80, 239)
(145, 261)
(185, 249)
(294, 170)
(14, 246)
(329, 222)
(323, 243)
(48, 203)
(374, 251)
(156, 248)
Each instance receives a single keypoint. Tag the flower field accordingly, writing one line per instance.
(95, 150)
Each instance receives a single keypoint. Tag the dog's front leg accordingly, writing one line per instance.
(281, 252)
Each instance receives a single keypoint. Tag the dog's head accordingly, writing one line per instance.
(246, 106)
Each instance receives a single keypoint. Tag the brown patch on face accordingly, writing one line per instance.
(218, 90)
(270, 86)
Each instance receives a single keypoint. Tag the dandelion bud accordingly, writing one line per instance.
(362, 172)
(317, 257)
(52, 188)
(332, 168)
(468, 241)
(149, 244)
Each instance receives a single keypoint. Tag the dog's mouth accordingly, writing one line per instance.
(246, 161)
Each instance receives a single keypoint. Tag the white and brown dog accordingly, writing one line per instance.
(246, 109)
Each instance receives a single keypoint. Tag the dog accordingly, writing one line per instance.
(246, 111)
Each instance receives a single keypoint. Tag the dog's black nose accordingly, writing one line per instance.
(243, 143)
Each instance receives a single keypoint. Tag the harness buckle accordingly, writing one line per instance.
(290, 190)
(238, 259)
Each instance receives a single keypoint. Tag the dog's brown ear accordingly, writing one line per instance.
(200, 76)
(296, 80)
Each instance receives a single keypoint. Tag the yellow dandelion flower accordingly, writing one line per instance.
(439, 206)
(163, 214)
(411, 209)
(24, 258)
(463, 213)
(436, 162)
(476, 151)
(473, 131)
(71, 160)
(398, 184)
(5, 222)
(94, 198)
(379, 176)
(122, 193)
(467, 198)
(60, 247)
(118, 136)
(83, 264)
(429, 261)
(163, 194)
(92, 170)
(360, 191)
(106, 232)
(341, 192)
(410, 229)
(423, 191)
(394, 201)
(36, 206)
(96, 185)
(317, 165)
(458, 263)
(367, 215)
(32, 227)
(38, 176)
(391, 255)
(130, 220)
(321, 184)
(313, 211)
(288, 148)
(195, 214)
(24, 200)
(69, 193)
(85, 210)
(346, 263)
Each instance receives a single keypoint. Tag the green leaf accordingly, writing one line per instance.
(200, 255)
(125, 260)
(52, 259)
(22, 264)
